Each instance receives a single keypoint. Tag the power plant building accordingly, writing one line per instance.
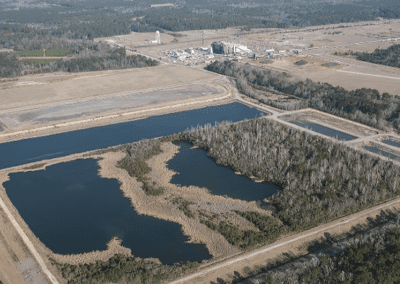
(229, 48)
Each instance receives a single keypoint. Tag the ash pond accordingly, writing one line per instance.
(324, 130)
(72, 210)
(194, 167)
(59, 145)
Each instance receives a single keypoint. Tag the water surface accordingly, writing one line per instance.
(53, 146)
(324, 130)
(382, 152)
(194, 167)
(392, 143)
(73, 210)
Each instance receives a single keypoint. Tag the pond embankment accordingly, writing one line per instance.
(172, 205)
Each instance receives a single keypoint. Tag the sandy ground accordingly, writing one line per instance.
(108, 105)
(22, 122)
(12, 251)
(42, 89)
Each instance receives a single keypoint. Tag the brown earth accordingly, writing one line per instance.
(42, 89)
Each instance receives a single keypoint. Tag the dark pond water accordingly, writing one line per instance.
(73, 210)
(35, 149)
(324, 130)
(194, 167)
(382, 153)
(392, 143)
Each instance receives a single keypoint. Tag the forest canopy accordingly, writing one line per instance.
(107, 59)
(367, 106)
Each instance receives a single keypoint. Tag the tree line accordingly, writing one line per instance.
(367, 106)
(368, 253)
(320, 180)
(123, 269)
(389, 56)
(11, 66)
(89, 19)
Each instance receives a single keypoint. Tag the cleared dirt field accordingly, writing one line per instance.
(106, 105)
(12, 251)
(348, 77)
(49, 88)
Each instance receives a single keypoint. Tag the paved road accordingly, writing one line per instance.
(365, 74)
(282, 244)
(29, 244)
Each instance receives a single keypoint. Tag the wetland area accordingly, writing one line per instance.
(81, 214)
(77, 207)
(192, 165)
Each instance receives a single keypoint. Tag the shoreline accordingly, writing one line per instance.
(160, 207)
(98, 121)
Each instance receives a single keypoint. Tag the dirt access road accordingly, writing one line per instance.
(29, 244)
(260, 256)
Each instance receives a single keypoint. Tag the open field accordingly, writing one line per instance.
(41, 89)
(106, 105)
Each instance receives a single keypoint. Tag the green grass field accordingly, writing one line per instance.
(38, 61)
(57, 52)
(30, 53)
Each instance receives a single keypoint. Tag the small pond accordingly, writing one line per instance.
(73, 210)
(324, 130)
(194, 167)
(392, 143)
(382, 152)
